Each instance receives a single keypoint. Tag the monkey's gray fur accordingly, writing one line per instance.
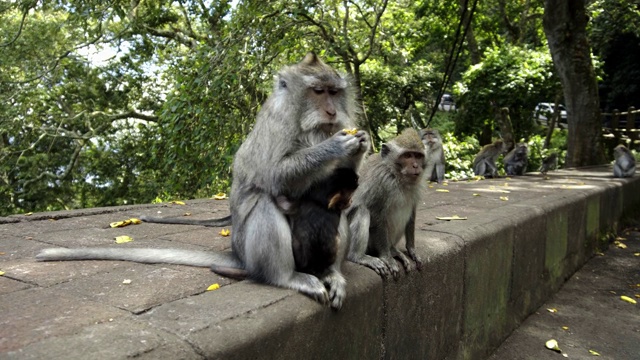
(383, 207)
(625, 162)
(516, 161)
(296, 142)
(434, 154)
(484, 164)
(548, 163)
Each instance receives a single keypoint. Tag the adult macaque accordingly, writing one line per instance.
(549, 163)
(296, 142)
(383, 208)
(516, 161)
(434, 154)
(484, 164)
(625, 162)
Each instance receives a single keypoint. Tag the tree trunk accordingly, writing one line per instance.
(565, 23)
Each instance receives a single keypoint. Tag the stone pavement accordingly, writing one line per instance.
(522, 238)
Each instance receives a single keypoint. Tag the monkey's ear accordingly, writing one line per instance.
(385, 150)
(310, 59)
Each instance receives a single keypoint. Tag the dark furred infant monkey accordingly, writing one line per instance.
(315, 219)
(384, 206)
(516, 161)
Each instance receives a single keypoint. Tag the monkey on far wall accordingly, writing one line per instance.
(625, 162)
(295, 143)
(383, 208)
(549, 163)
(434, 154)
(515, 162)
(484, 164)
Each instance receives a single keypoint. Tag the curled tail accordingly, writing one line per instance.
(148, 256)
(225, 221)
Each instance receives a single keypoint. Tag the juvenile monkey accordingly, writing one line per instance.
(434, 154)
(296, 142)
(548, 163)
(625, 164)
(515, 162)
(383, 208)
(315, 220)
(484, 164)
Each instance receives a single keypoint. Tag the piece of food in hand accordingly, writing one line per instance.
(351, 131)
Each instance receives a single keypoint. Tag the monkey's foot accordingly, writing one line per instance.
(336, 284)
(373, 263)
(308, 285)
(392, 265)
(416, 258)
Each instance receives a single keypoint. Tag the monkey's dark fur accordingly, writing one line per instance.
(296, 142)
(516, 161)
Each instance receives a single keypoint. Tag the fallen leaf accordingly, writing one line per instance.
(552, 345)
(213, 287)
(636, 254)
(507, 178)
(3, 253)
(504, 198)
(1, 273)
(442, 190)
(552, 310)
(628, 299)
(594, 353)
(29, 213)
(505, 191)
(186, 214)
(178, 202)
(565, 328)
(620, 238)
(220, 196)
(637, 295)
(124, 223)
(454, 217)
(126, 281)
(600, 253)
(430, 186)
(547, 178)
(613, 292)
(506, 185)
(620, 245)
(123, 239)
(225, 232)
(445, 184)
(476, 194)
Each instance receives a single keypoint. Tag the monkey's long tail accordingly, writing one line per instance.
(225, 221)
(149, 256)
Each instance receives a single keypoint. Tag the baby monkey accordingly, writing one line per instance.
(315, 220)
(515, 162)
(625, 164)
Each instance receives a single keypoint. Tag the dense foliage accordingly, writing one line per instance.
(119, 102)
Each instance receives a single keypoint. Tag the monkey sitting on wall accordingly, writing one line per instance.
(515, 162)
(625, 162)
(434, 154)
(383, 208)
(484, 164)
(296, 142)
(549, 163)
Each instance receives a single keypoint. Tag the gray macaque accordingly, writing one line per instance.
(434, 154)
(549, 163)
(516, 161)
(625, 162)
(297, 141)
(484, 164)
(383, 208)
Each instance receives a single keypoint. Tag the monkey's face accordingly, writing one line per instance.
(411, 165)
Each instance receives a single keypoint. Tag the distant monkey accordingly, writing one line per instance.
(516, 161)
(295, 143)
(434, 154)
(315, 220)
(549, 163)
(384, 206)
(484, 163)
(625, 162)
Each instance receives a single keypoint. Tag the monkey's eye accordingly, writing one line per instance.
(318, 90)
(283, 84)
(333, 91)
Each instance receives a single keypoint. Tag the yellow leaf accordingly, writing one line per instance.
(613, 292)
(504, 198)
(351, 131)
(476, 194)
(124, 223)
(594, 353)
(186, 214)
(430, 186)
(552, 310)
(225, 232)
(505, 191)
(507, 178)
(123, 239)
(178, 202)
(636, 254)
(552, 345)
(135, 221)
(620, 238)
(637, 295)
(454, 217)
(1, 273)
(600, 253)
(220, 196)
(442, 190)
(126, 281)
(565, 328)
(445, 184)
(628, 299)
(620, 245)
(29, 213)
(213, 287)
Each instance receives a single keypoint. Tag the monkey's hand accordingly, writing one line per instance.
(348, 144)
(336, 284)
(373, 263)
(392, 265)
